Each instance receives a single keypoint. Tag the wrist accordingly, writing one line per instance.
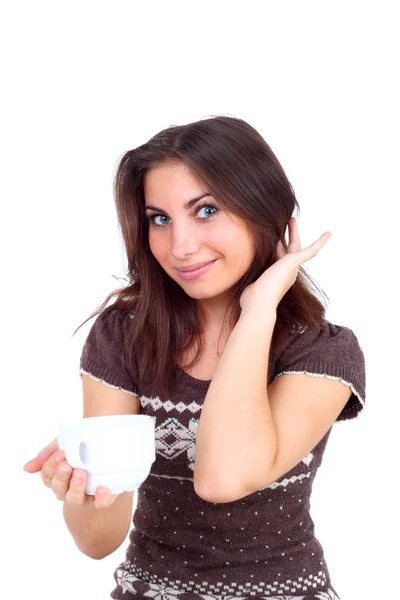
(257, 311)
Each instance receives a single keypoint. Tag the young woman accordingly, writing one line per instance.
(219, 337)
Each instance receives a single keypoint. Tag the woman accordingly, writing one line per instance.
(235, 360)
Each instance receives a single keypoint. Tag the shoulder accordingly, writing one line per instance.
(327, 337)
(107, 333)
(103, 350)
(111, 321)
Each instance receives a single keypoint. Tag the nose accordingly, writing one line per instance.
(184, 241)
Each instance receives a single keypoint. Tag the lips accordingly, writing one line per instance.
(194, 266)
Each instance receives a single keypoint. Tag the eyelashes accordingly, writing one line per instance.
(151, 218)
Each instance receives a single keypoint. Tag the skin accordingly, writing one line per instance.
(184, 237)
(269, 289)
(50, 462)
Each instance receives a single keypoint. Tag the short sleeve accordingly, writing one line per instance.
(331, 351)
(102, 351)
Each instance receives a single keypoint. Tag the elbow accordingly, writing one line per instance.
(222, 495)
(201, 493)
(97, 552)
(96, 557)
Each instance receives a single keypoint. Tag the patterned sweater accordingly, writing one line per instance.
(260, 546)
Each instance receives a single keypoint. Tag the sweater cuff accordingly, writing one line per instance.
(356, 402)
(109, 378)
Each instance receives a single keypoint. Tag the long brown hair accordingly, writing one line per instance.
(240, 170)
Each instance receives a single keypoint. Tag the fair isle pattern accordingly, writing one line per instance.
(294, 478)
(130, 578)
(185, 438)
(173, 438)
(157, 404)
(328, 595)
(261, 546)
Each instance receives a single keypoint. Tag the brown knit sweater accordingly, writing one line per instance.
(261, 546)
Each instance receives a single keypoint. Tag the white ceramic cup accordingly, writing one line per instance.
(116, 451)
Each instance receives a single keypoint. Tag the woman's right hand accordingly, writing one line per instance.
(67, 483)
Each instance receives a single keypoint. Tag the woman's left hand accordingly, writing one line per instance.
(272, 285)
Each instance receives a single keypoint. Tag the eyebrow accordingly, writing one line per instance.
(186, 206)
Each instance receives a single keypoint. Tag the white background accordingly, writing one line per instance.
(83, 82)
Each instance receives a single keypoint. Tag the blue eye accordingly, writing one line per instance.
(152, 218)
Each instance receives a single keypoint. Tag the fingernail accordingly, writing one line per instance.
(102, 493)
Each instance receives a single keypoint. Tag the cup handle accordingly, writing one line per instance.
(72, 454)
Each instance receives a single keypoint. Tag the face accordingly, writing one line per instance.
(181, 236)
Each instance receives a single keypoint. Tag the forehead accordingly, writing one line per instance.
(172, 179)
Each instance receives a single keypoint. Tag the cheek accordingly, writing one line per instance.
(225, 239)
(155, 246)
(235, 245)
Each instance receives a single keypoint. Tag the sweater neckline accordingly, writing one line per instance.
(200, 382)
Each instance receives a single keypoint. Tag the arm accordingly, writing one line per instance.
(98, 532)
(302, 404)
(236, 438)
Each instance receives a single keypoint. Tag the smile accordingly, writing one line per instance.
(197, 272)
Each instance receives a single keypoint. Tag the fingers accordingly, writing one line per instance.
(75, 492)
(49, 467)
(312, 250)
(321, 241)
(295, 246)
(61, 480)
(69, 485)
(294, 236)
(36, 464)
(103, 497)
